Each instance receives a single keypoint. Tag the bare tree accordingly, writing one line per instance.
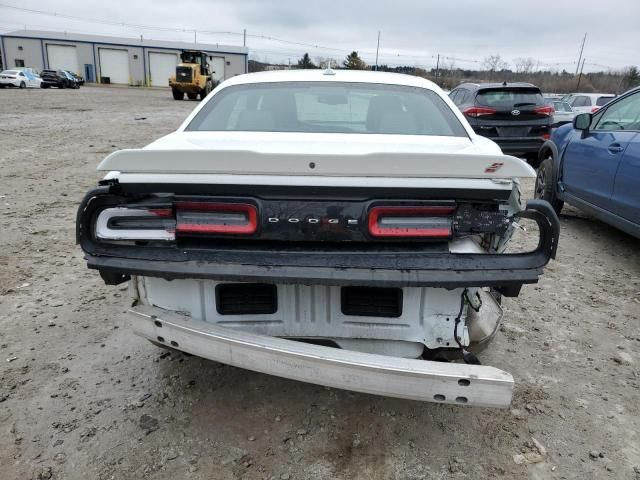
(327, 62)
(524, 65)
(494, 63)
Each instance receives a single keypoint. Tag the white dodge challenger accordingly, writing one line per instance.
(344, 228)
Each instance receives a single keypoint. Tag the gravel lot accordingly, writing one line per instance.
(83, 398)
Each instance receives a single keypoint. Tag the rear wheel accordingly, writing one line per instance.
(192, 96)
(62, 85)
(23, 85)
(204, 92)
(177, 94)
(545, 185)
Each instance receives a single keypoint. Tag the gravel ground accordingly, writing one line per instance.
(83, 398)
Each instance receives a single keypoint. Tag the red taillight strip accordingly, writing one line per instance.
(478, 111)
(161, 212)
(376, 212)
(250, 210)
(547, 110)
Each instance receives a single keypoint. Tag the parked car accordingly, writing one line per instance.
(30, 70)
(588, 102)
(19, 79)
(77, 78)
(312, 209)
(563, 113)
(594, 164)
(514, 115)
(75, 82)
(57, 78)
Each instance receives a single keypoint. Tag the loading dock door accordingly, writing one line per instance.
(114, 64)
(63, 57)
(161, 67)
(217, 68)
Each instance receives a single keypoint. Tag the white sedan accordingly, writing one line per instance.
(20, 79)
(342, 228)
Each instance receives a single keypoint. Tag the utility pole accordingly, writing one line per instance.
(195, 37)
(581, 50)
(437, 68)
(244, 37)
(580, 76)
(377, 50)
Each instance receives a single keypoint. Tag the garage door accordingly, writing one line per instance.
(63, 57)
(217, 67)
(114, 64)
(161, 67)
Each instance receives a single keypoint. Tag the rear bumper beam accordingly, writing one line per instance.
(420, 380)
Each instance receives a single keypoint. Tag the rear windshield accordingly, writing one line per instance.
(603, 101)
(509, 97)
(561, 107)
(10, 72)
(322, 107)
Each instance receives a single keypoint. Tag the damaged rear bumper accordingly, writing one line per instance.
(349, 265)
(420, 380)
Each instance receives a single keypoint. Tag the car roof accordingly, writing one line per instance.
(496, 85)
(319, 75)
(591, 94)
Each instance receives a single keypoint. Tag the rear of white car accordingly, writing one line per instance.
(588, 102)
(354, 212)
(13, 78)
(19, 78)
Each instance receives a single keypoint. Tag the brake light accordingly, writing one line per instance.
(547, 110)
(476, 112)
(546, 136)
(225, 218)
(595, 109)
(407, 221)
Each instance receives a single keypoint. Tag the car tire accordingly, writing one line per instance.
(23, 85)
(206, 91)
(545, 185)
(62, 85)
(177, 95)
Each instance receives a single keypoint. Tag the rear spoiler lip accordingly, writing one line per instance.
(411, 164)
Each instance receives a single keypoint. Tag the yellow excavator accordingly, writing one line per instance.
(193, 76)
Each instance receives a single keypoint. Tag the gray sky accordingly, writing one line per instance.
(413, 31)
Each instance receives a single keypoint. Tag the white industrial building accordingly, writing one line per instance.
(127, 61)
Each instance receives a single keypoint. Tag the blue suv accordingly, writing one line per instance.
(594, 164)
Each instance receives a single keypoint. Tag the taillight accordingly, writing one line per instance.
(476, 112)
(546, 136)
(122, 223)
(595, 109)
(225, 218)
(547, 110)
(407, 221)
